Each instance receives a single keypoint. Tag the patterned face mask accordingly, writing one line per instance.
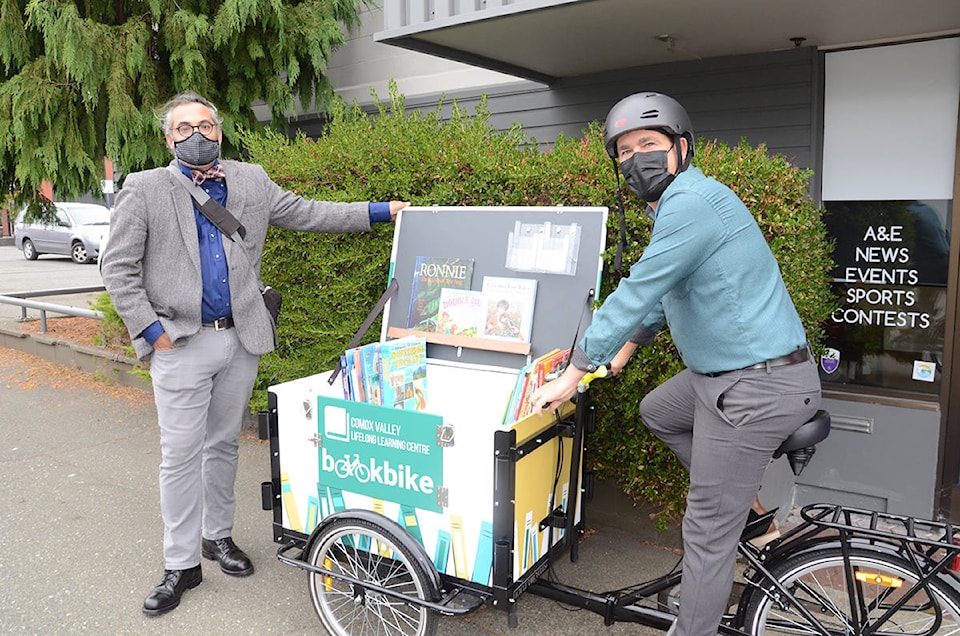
(196, 150)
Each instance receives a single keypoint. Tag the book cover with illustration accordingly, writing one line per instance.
(403, 373)
(513, 404)
(345, 378)
(431, 275)
(543, 368)
(359, 388)
(508, 307)
(370, 358)
(460, 313)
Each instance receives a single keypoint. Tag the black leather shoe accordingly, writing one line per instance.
(758, 532)
(233, 560)
(166, 595)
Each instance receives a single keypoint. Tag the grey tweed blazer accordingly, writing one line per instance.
(151, 265)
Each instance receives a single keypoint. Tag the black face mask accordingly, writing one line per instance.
(196, 150)
(646, 174)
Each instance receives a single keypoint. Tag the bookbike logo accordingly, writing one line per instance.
(371, 470)
(386, 454)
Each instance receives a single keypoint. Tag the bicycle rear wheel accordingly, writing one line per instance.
(378, 554)
(817, 580)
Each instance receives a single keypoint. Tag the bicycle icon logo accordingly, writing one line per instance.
(355, 468)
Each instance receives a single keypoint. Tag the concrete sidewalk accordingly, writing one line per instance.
(80, 532)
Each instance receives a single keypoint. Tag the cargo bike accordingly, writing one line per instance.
(400, 517)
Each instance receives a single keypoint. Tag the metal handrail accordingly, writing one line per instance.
(20, 299)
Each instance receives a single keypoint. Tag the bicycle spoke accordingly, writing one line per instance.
(821, 601)
(379, 559)
(887, 594)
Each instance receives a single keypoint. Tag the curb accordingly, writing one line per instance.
(111, 368)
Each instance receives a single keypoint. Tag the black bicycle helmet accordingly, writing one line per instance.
(646, 110)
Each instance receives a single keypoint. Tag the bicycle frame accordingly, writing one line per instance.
(927, 545)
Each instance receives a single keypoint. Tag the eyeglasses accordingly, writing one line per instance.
(205, 128)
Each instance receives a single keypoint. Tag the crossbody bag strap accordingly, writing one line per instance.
(377, 308)
(210, 208)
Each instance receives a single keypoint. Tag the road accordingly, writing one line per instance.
(17, 274)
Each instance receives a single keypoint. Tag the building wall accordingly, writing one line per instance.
(363, 68)
(881, 455)
(362, 64)
(770, 98)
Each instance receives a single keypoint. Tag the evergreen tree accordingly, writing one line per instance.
(82, 80)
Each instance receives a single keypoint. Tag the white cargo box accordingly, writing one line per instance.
(490, 503)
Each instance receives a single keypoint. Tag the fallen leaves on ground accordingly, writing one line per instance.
(25, 372)
(83, 331)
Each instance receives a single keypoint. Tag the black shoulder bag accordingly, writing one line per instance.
(230, 227)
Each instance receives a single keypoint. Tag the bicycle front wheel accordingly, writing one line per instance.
(879, 582)
(378, 555)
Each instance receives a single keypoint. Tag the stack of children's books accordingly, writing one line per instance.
(530, 378)
(391, 373)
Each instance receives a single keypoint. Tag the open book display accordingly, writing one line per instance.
(444, 309)
(494, 285)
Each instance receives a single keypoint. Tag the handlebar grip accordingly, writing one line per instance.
(585, 381)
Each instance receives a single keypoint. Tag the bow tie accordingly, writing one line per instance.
(215, 173)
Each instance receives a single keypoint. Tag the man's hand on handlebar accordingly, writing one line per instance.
(556, 392)
(620, 360)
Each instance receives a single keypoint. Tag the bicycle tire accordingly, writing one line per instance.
(817, 580)
(345, 609)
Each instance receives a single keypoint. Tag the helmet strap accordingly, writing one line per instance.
(622, 244)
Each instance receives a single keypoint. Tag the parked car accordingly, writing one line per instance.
(80, 230)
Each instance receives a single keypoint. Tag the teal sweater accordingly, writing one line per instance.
(709, 274)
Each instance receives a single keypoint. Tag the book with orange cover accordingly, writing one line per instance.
(541, 368)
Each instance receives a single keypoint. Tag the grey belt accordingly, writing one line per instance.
(220, 324)
(796, 357)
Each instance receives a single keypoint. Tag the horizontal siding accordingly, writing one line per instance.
(362, 64)
(769, 98)
(407, 13)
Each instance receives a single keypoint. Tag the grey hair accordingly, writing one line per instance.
(166, 113)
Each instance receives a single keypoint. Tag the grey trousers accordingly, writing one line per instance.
(724, 430)
(201, 389)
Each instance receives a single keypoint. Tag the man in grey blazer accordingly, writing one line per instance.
(191, 299)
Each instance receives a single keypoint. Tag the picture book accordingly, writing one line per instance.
(460, 313)
(430, 275)
(370, 361)
(351, 374)
(508, 307)
(359, 392)
(549, 364)
(530, 378)
(510, 416)
(403, 373)
(543, 369)
(345, 378)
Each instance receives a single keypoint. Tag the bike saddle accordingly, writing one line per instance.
(801, 445)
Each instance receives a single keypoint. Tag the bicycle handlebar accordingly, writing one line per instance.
(585, 381)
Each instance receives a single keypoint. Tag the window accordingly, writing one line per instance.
(889, 151)
(891, 278)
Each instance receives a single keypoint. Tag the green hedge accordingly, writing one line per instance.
(330, 282)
